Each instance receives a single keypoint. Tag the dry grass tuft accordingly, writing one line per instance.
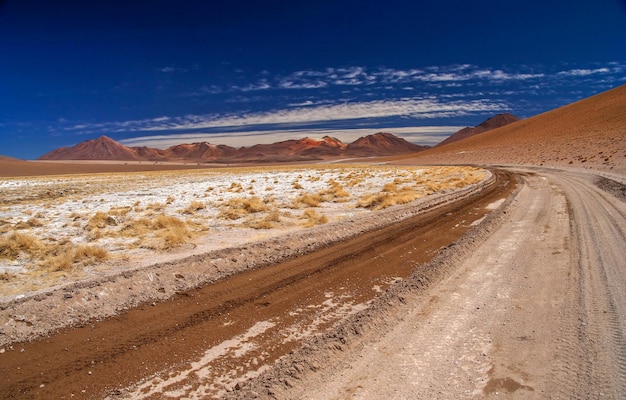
(66, 256)
(30, 223)
(100, 220)
(12, 245)
(194, 207)
(312, 218)
(159, 233)
(235, 187)
(307, 200)
(239, 207)
(335, 193)
(53, 256)
(386, 199)
(268, 222)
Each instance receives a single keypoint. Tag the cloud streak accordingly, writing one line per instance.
(423, 135)
(459, 75)
(326, 113)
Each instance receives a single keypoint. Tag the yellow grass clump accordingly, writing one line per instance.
(268, 222)
(160, 233)
(100, 220)
(66, 256)
(387, 198)
(12, 245)
(235, 187)
(194, 207)
(335, 192)
(30, 223)
(312, 218)
(53, 256)
(307, 200)
(239, 207)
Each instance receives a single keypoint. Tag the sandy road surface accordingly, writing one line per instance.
(531, 304)
(538, 310)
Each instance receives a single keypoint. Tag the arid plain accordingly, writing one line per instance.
(404, 280)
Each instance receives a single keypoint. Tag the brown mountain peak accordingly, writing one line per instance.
(494, 122)
(102, 148)
(382, 143)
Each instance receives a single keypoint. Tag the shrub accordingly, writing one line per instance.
(267, 222)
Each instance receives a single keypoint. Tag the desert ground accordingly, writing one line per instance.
(500, 276)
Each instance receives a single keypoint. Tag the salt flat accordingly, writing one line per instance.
(57, 229)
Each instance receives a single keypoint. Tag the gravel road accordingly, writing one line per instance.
(530, 303)
(537, 310)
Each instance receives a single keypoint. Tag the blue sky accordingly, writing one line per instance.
(240, 72)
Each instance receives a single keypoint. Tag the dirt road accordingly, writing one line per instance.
(538, 310)
(202, 342)
(529, 304)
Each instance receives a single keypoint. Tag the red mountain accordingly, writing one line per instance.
(293, 150)
(492, 123)
(104, 148)
(199, 151)
(381, 144)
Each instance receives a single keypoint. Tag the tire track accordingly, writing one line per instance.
(597, 225)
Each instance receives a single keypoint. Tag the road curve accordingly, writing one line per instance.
(535, 311)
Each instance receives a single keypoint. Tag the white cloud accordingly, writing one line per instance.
(424, 108)
(306, 115)
(423, 135)
(261, 85)
(289, 84)
(584, 72)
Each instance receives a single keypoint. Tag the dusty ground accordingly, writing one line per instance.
(547, 323)
(56, 230)
(97, 298)
(536, 310)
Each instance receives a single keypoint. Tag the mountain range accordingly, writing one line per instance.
(306, 149)
(590, 133)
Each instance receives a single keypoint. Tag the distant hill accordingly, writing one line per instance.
(102, 148)
(494, 122)
(381, 144)
(105, 148)
(590, 133)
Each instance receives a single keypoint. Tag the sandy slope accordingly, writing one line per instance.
(588, 134)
